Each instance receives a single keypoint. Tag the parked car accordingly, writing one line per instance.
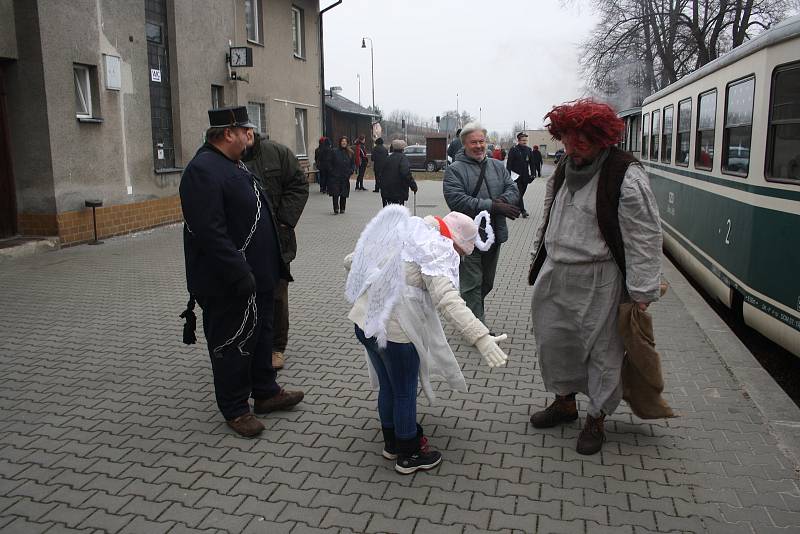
(558, 155)
(418, 157)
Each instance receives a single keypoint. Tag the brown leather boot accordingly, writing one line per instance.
(246, 425)
(592, 436)
(562, 410)
(282, 401)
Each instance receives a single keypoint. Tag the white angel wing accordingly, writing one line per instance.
(377, 268)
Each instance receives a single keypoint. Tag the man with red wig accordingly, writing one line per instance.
(599, 245)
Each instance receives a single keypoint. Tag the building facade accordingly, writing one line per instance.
(108, 100)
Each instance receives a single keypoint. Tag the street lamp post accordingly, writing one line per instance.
(372, 64)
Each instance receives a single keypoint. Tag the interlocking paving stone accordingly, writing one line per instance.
(120, 433)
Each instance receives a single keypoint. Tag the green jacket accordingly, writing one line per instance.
(286, 186)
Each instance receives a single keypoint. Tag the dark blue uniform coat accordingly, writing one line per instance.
(219, 206)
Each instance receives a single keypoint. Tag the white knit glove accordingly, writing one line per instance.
(493, 354)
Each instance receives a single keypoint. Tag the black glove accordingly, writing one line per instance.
(414, 187)
(501, 207)
(245, 285)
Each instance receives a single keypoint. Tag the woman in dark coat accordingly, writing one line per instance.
(342, 166)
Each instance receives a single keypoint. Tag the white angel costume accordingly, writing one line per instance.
(401, 272)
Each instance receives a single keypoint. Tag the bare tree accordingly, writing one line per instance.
(641, 46)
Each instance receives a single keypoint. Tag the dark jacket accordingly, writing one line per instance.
(379, 155)
(396, 178)
(219, 205)
(537, 158)
(460, 180)
(341, 167)
(286, 186)
(520, 161)
(453, 148)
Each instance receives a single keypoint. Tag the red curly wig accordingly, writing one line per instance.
(595, 120)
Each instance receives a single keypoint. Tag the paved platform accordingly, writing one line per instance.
(108, 422)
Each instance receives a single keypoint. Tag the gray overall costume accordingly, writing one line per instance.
(578, 290)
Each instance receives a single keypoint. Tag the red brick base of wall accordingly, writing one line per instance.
(74, 227)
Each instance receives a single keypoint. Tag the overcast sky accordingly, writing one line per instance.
(513, 60)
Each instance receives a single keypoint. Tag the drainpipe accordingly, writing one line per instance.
(322, 65)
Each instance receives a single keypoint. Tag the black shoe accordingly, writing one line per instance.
(562, 410)
(415, 455)
(336, 212)
(591, 438)
(525, 214)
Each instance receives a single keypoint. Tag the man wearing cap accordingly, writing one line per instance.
(396, 177)
(454, 146)
(285, 183)
(537, 162)
(474, 183)
(233, 263)
(520, 161)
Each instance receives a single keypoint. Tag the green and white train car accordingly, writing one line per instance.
(722, 148)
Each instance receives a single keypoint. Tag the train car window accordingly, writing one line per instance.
(783, 162)
(737, 135)
(666, 135)
(645, 133)
(684, 132)
(706, 121)
(655, 122)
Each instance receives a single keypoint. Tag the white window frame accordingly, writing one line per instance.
(252, 11)
(298, 32)
(257, 113)
(217, 93)
(82, 77)
(301, 131)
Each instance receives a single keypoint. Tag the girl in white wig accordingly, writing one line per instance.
(402, 271)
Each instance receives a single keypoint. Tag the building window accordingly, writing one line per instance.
(217, 96)
(684, 132)
(252, 20)
(83, 91)
(645, 133)
(300, 128)
(706, 122)
(783, 138)
(666, 135)
(738, 130)
(654, 135)
(257, 112)
(298, 32)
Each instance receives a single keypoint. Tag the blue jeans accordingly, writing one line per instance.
(397, 367)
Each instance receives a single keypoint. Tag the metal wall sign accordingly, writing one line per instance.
(113, 71)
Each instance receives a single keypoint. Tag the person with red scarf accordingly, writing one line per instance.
(361, 160)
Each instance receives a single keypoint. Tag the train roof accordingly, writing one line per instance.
(787, 29)
(630, 111)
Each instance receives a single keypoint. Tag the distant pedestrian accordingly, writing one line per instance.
(520, 162)
(537, 162)
(342, 166)
(454, 146)
(379, 155)
(322, 162)
(599, 245)
(497, 153)
(233, 263)
(396, 177)
(402, 270)
(287, 188)
(361, 160)
(474, 183)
